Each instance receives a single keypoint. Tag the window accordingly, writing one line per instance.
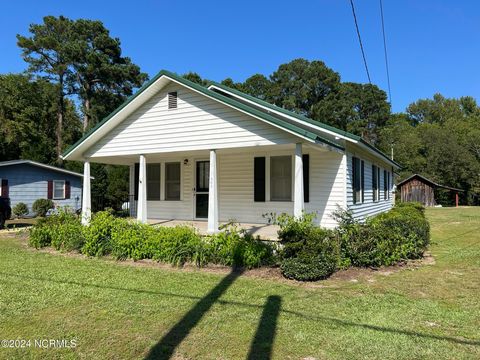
(172, 181)
(58, 189)
(386, 185)
(172, 100)
(358, 180)
(281, 178)
(375, 183)
(153, 181)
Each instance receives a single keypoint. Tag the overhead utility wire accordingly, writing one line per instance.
(385, 51)
(360, 41)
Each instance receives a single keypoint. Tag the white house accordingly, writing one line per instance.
(216, 154)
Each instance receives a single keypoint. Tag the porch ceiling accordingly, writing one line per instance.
(153, 157)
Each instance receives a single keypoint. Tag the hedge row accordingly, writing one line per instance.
(125, 239)
(312, 253)
(308, 252)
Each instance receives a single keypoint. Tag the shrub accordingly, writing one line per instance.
(235, 247)
(309, 251)
(399, 234)
(62, 231)
(21, 209)
(41, 206)
(98, 234)
(308, 268)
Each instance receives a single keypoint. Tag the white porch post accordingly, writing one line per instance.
(86, 195)
(213, 195)
(298, 200)
(142, 191)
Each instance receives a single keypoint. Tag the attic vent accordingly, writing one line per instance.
(172, 100)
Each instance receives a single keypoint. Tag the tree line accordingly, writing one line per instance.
(76, 75)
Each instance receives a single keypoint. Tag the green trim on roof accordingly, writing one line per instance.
(238, 105)
(303, 118)
(286, 112)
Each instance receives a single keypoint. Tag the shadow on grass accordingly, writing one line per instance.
(206, 302)
(262, 344)
(165, 348)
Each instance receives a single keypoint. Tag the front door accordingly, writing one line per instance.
(202, 180)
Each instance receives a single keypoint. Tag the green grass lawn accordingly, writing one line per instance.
(119, 311)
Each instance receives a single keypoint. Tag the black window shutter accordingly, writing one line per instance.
(137, 175)
(259, 179)
(306, 177)
(354, 179)
(363, 181)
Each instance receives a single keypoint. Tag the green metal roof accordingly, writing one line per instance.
(227, 100)
(303, 118)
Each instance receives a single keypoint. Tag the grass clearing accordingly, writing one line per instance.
(124, 312)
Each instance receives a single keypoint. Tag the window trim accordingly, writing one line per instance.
(271, 178)
(53, 190)
(166, 181)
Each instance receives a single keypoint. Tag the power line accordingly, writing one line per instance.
(360, 41)
(385, 51)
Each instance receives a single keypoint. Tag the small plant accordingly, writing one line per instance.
(98, 234)
(41, 206)
(309, 267)
(19, 210)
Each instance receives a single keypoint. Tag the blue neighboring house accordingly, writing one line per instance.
(26, 181)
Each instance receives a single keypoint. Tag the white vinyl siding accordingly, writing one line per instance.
(369, 207)
(198, 123)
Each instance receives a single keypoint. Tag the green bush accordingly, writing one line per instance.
(41, 206)
(308, 268)
(399, 234)
(236, 248)
(63, 231)
(21, 209)
(309, 252)
(98, 234)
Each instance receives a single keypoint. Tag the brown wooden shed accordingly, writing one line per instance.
(419, 188)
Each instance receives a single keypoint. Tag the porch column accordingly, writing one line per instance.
(298, 200)
(142, 191)
(86, 195)
(213, 195)
(131, 190)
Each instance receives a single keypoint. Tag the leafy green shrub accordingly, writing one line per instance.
(235, 247)
(21, 209)
(98, 234)
(40, 234)
(41, 206)
(399, 234)
(309, 252)
(308, 268)
(63, 231)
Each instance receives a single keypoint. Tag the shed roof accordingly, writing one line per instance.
(425, 180)
(45, 166)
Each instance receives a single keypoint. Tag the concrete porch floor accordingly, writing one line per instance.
(265, 231)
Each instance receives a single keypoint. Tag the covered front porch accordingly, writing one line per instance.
(210, 188)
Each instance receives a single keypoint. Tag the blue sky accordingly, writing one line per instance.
(433, 44)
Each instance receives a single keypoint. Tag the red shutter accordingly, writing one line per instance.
(50, 189)
(5, 188)
(67, 189)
